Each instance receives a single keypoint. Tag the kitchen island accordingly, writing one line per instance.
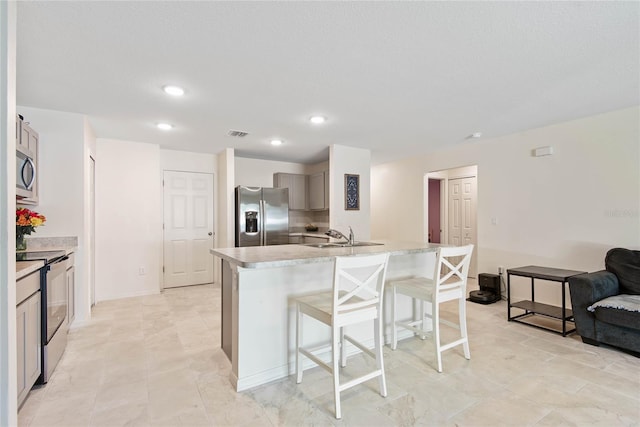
(259, 287)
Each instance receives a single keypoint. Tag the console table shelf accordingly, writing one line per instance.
(544, 309)
(531, 307)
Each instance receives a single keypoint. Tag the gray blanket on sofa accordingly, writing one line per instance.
(622, 301)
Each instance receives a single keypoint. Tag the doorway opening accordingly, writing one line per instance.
(451, 208)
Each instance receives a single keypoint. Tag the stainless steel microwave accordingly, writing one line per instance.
(26, 175)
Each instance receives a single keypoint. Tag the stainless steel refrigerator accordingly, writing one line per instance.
(262, 216)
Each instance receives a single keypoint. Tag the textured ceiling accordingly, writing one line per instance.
(399, 78)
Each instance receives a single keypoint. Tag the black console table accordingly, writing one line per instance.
(532, 307)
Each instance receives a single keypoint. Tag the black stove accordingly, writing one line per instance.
(47, 256)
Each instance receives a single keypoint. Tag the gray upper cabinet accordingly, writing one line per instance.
(317, 191)
(297, 185)
(306, 192)
(19, 135)
(27, 140)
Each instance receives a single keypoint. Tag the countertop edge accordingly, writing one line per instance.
(67, 249)
(317, 258)
(25, 268)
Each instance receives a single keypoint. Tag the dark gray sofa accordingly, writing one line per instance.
(598, 320)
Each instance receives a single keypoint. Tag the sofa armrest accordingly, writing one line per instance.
(585, 290)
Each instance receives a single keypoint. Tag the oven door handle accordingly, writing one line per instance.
(59, 260)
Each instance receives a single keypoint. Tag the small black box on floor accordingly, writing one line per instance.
(489, 289)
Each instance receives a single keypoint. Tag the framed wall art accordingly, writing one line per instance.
(351, 192)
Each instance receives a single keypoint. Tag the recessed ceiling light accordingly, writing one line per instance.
(165, 126)
(476, 135)
(173, 90)
(317, 120)
(276, 142)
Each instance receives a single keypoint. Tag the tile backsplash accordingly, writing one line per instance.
(298, 219)
(51, 242)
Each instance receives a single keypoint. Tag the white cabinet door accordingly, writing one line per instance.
(28, 344)
(21, 342)
(317, 191)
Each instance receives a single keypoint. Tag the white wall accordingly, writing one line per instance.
(226, 198)
(128, 219)
(564, 210)
(226, 206)
(8, 386)
(259, 173)
(186, 161)
(348, 160)
(66, 140)
(83, 293)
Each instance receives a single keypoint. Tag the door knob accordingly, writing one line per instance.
(210, 234)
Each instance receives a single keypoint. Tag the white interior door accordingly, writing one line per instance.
(455, 212)
(462, 215)
(188, 228)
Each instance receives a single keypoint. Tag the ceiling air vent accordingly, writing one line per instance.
(237, 133)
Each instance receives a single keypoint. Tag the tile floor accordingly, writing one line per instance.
(155, 361)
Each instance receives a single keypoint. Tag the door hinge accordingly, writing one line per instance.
(163, 268)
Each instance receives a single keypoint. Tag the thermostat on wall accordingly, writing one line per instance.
(543, 151)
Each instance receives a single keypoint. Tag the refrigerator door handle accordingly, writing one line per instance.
(263, 233)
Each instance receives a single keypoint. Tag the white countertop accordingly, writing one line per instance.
(284, 255)
(24, 268)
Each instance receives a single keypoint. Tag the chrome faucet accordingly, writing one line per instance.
(338, 235)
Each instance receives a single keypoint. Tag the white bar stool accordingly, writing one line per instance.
(357, 295)
(449, 283)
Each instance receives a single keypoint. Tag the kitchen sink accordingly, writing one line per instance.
(341, 245)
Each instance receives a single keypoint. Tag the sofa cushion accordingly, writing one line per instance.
(614, 316)
(625, 264)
